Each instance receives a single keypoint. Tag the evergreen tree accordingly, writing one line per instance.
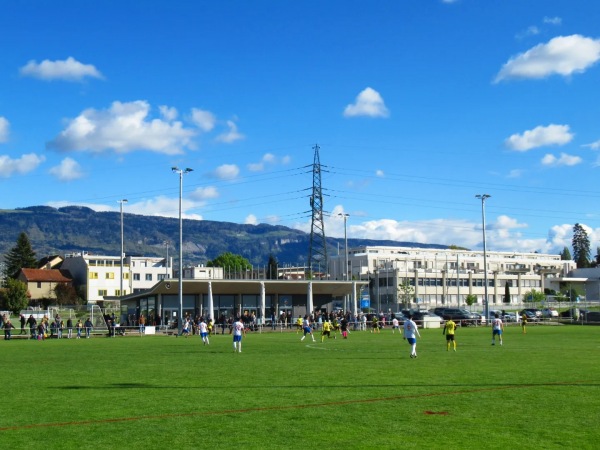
(506, 293)
(272, 268)
(581, 247)
(16, 297)
(565, 255)
(21, 256)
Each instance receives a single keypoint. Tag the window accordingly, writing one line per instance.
(136, 277)
(39, 284)
(102, 292)
(118, 292)
(148, 277)
(110, 275)
(161, 276)
(93, 275)
(126, 275)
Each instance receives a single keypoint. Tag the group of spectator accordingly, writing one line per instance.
(46, 328)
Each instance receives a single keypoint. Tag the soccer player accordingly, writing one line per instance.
(410, 334)
(307, 328)
(238, 330)
(186, 328)
(298, 325)
(524, 322)
(497, 329)
(395, 325)
(449, 330)
(203, 331)
(326, 330)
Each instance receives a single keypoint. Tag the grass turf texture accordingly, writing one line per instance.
(539, 390)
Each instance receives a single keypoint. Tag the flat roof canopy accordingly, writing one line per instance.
(249, 287)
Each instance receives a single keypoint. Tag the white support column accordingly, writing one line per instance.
(309, 300)
(354, 309)
(210, 303)
(262, 302)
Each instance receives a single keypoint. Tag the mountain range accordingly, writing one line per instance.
(72, 229)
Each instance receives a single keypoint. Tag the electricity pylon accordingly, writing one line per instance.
(317, 252)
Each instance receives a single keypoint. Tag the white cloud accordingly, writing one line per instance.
(515, 173)
(593, 145)
(268, 158)
(232, 135)
(22, 165)
(251, 220)
(379, 173)
(226, 172)
(168, 113)
(4, 129)
(562, 55)
(540, 136)
(67, 170)
(563, 160)
(368, 103)
(530, 31)
(68, 70)
(205, 120)
(205, 193)
(553, 20)
(124, 127)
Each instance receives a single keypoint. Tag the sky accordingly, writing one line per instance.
(416, 108)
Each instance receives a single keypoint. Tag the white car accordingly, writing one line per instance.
(549, 312)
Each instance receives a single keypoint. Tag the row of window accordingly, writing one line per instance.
(461, 282)
(136, 276)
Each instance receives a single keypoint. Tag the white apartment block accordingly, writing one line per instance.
(446, 276)
(100, 276)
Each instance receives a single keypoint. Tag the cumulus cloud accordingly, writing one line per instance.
(563, 160)
(379, 173)
(268, 158)
(123, 128)
(251, 220)
(539, 137)
(368, 103)
(205, 120)
(226, 172)
(204, 193)
(67, 170)
(22, 165)
(231, 135)
(168, 113)
(562, 55)
(4, 129)
(67, 70)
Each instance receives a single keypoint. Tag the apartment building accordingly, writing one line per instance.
(432, 277)
(101, 276)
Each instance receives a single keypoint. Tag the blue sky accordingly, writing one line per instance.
(417, 106)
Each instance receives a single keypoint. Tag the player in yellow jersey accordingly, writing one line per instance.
(326, 330)
(449, 330)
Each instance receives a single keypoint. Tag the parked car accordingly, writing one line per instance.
(460, 315)
(510, 317)
(549, 312)
(537, 312)
(531, 316)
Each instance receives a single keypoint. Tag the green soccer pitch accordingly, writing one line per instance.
(538, 390)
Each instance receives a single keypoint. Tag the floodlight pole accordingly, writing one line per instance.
(483, 197)
(122, 244)
(345, 216)
(181, 172)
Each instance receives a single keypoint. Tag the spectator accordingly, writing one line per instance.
(23, 320)
(32, 323)
(88, 327)
(7, 329)
(69, 328)
(79, 327)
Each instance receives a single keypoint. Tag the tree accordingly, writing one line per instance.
(507, 293)
(405, 293)
(230, 263)
(470, 300)
(534, 296)
(565, 255)
(66, 294)
(272, 268)
(16, 297)
(581, 247)
(21, 256)
(597, 257)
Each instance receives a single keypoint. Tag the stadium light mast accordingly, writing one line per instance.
(122, 243)
(181, 172)
(483, 197)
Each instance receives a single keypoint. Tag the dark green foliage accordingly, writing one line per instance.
(272, 268)
(565, 255)
(230, 262)
(66, 294)
(21, 256)
(581, 247)
(15, 296)
(507, 293)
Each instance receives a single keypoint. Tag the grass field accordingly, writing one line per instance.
(539, 390)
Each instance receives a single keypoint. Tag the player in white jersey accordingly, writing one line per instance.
(307, 328)
(410, 334)
(497, 329)
(203, 331)
(395, 326)
(238, 331)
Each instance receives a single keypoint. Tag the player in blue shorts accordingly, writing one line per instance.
(307, 328)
